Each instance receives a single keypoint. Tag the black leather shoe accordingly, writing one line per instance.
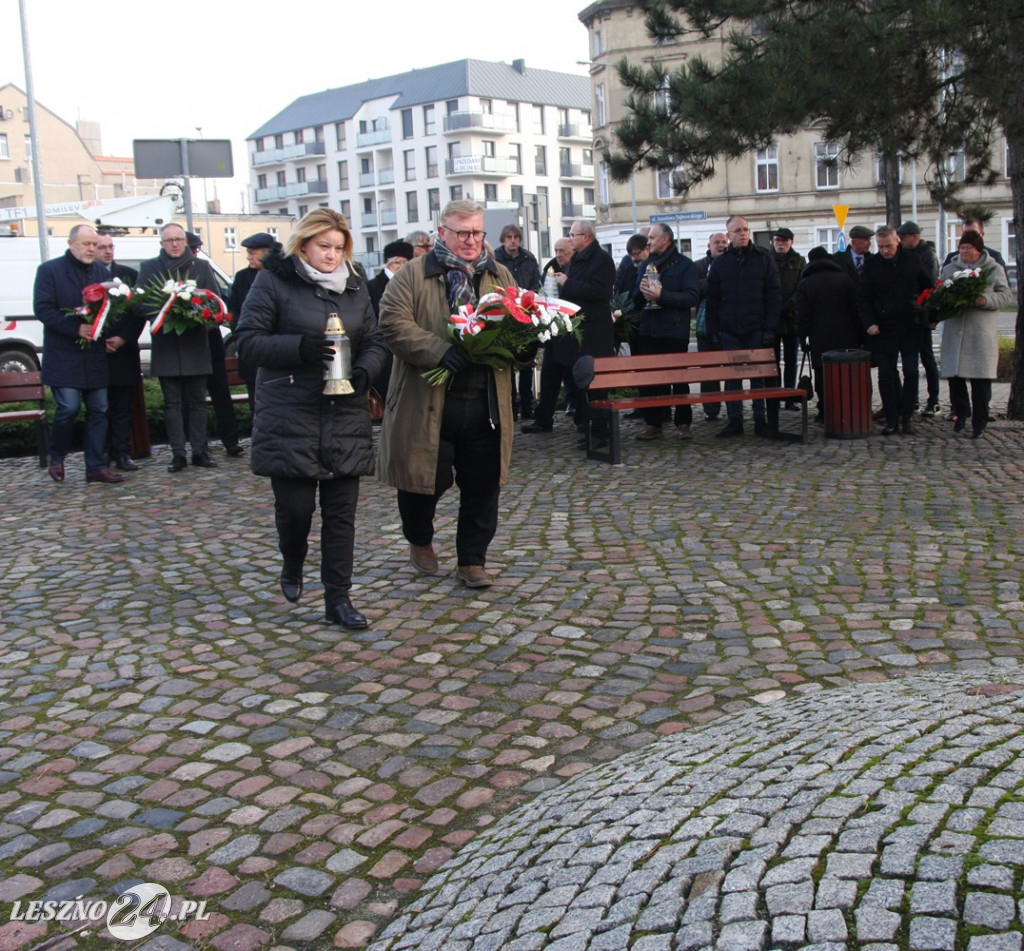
(732, 428)
(978, 430)
(291, 582)
(347, 616)
(960, 424)
(889, 430)
(595, 443)
(124, 462)
(761, 429)
(177, 464)
(908, 428)
(234, 451)
(203, 461)
(535, 428)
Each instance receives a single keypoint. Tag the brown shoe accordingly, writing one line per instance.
(651, 432)
(56, 470)
(474, 576)
(684, 432)
(423, 558)
(104, 475)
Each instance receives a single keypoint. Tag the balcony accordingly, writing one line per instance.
(288, 153)
(478, 122)
(579, 211)
(386, 176)
(481, 165)
(582, 172)
(373, 137)
(380, 218)
(582, 133)
(292, 190)
(368, 259)
(367, 179)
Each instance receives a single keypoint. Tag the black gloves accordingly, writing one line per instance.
(314, 350)
(360, 380)
(454, 360)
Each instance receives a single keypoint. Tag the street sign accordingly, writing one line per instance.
(165, 158)
(678, 216)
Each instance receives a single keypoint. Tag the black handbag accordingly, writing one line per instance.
(805, 383)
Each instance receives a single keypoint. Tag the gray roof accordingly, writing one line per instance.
(464, 77)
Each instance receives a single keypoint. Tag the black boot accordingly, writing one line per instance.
(344, 614)
(124, 462)
(291, 581)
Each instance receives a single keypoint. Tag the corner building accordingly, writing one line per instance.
(390, 153)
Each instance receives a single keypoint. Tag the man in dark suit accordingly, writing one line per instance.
(859, 250)
(122, 341)
(257, 247)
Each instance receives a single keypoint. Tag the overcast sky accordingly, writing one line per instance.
(147, 70)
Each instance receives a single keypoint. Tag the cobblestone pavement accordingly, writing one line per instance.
(166, 717)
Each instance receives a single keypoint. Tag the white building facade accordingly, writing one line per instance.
(390, 153)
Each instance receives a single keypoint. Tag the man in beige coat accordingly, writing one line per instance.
(460, 433)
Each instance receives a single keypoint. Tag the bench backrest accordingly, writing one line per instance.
(21, 387)
(231, 366)
(612, 373)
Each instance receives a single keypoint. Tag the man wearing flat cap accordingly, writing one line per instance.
(257, 247)
(859, 250)
(790, 265)
(909, 234)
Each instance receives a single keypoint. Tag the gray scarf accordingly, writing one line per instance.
(335, 280)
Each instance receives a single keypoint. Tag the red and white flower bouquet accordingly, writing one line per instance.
(951, 296)
(505, 324)
(102, 303)
(183, 305)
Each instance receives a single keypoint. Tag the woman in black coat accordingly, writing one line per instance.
(303, 440)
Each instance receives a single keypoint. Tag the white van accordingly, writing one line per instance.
(21, 334)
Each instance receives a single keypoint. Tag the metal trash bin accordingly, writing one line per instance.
(847, 393)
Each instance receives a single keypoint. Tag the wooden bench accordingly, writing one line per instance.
(26, 388)
(231, 365)
(617, 373)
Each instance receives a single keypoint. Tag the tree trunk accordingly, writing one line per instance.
(891, 166)
(1015, 143)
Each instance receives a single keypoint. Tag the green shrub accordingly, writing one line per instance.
(1004, 369)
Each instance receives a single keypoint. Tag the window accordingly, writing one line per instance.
(826, 164)
(343, 175)
(281, 180)
(430, 153)
(279, 141)
(588, 156)
(538, 120)
(282, 211)
(880, 170)
(1011, 241)
(956, 166)
(318, 133)
(407, 124)
(596, 44)
(668, 179)
(602, 182)
(433, 200)
(517, 194)
(828, 238)
(300, 136)
(321, 173)
(409, 157)
(429, 123)
(339, 135)
(300, 174)
(599, 104)
(261, 181)
(487, 107)
(512, 108)
(28, 147)
(565, 161)
(490, 192)
(303, 210)
(367, 205)
(456, 192)
(767, 165)
(588, 196)
(273, 233)
(454, 150)
(345, 207)
(487, 147)
(567, 211)
(515, 156)
(540, 160)
(230, 239)
(452, 106)
(371, 244)
(412, 207)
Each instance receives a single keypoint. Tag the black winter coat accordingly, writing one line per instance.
(297, 431)
(186, 354)
(887, 296)
(743, 293)
(591, 276)
(826, 309)
(123, 364)
(58, 289)
(524, 268)
(790, 266)
(679, 295)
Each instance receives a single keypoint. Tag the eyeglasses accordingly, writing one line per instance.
(575, 234)
(174, 240)
(467, 235)
(424, 244)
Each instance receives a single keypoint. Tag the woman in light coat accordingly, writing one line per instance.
(970, 343)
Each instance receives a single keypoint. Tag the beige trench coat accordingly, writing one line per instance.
(413, 319)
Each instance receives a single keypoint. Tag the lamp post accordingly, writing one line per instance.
(206, 204)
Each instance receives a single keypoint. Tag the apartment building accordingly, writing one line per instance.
(390, 153)
(795, 182)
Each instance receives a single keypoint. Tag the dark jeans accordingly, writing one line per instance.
(711, 410)
(294, 502)
(551, 376)
(469, 455)
(899, 400)
(181, 392)
(69, 401)
(748, 341)
(120, 405)
(220, 392)
(656, 416)
(981, 397)
(931, 370)
(522, 392)
(786, 348)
